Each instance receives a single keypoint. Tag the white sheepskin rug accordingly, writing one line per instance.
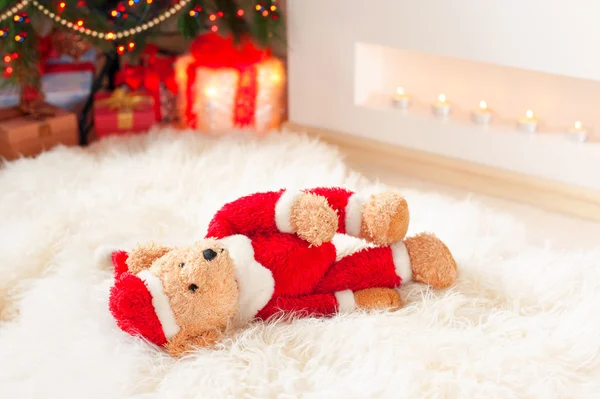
(521, 322)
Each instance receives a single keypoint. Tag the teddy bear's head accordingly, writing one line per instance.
(175, 297)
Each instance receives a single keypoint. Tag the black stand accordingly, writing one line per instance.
(109, 69)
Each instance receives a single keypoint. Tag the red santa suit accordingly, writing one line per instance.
(278, 271)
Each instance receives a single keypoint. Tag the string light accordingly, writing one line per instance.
(240, 13)
(258, 7)
(7, 58)
(193, 13)
(97, 34)
(273, 8)
(214, 28)
(212, 17)
(80, 23)
(62, 5)
(121, 49)
(131, 45)
(18, 38)
(265, 13)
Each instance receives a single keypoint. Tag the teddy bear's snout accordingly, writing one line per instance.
(209, 254)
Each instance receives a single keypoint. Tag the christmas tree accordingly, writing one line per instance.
(116, 28)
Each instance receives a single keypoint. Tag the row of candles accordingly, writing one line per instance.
(483, 115)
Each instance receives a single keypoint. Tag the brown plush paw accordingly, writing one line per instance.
(431, 261)
(378, 299)
(313, 219)
(385, 218)
(183, 342)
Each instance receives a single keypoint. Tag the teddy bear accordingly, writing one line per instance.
(270, 254)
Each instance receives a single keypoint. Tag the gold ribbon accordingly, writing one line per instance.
(124, 103)
(120, 100)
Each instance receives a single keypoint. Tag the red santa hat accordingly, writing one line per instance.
(139, 305)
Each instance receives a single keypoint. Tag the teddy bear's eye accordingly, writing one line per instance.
(181, 264)
(192, 287)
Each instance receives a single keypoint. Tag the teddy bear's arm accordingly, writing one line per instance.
(285, 211)
(380, 217)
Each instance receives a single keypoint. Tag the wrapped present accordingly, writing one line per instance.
(26, 135)
(156, 76)
(122, 112)
(64, 85)
(223, 85)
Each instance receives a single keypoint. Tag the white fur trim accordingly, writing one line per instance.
(401, 261)
(103, 257)
(346, 302)
(354, 214)
(255, 282)
(283, 210)
(161, 304)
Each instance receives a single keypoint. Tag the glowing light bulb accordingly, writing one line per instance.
(210, 92)
(442, 98)
(212, 17)
(578, 125)
(529, 114)
(482, 105)
(62, 5)
(120, 49)
(400, 91)
(114, 13)
(7, 58)
(258, 7)
(214, 28)
(17, 38)
(110, 36)
(80, 23)
(273, 8)
(265, 13)
(131, 45)
(240, 13)
(193, 13)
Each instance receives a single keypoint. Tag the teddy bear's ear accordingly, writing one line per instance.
(143, 256)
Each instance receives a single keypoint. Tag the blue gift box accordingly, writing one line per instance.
(89, 56)
(66, 90)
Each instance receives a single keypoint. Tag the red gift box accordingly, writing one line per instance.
(122, 112)
(154, 71)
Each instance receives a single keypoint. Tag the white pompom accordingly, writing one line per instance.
(103, 257)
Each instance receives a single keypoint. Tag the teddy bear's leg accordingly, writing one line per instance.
(378, 217)
(378, 299)
(367, 268)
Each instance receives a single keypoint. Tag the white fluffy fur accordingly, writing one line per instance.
(283, 210)
(160, 303)
(521, 321)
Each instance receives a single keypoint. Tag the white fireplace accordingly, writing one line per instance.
(346, 58)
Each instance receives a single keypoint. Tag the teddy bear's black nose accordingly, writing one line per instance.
(209, 254)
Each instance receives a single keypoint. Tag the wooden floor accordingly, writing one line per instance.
(557, 230)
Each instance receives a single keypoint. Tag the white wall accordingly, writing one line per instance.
(552, 36)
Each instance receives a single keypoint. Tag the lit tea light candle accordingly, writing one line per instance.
(441, 107)
(528, 123)
(578, 132)
(401, 99)
(482, 115)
